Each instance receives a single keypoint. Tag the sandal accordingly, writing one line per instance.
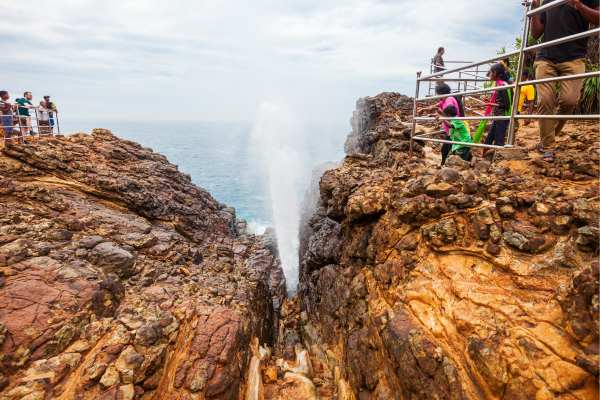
(548, 156)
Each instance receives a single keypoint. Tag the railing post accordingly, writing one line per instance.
(519, 73)
(414, 121)
(431, 69)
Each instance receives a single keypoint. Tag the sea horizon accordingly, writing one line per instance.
(219, 156)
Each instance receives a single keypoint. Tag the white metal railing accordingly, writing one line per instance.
(440, 76)
(31, 125)
(469, 79)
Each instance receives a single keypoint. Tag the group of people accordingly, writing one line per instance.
(559, 60)
(17, 116)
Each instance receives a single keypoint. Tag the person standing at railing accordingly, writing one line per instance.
(46, 114)
(438, 60)
(501, 103)
(560, 60)
(6, 115)
(24, 104)
(53, 110)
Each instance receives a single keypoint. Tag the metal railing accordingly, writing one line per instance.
(475, 90)
(464, 77)
(40, 122)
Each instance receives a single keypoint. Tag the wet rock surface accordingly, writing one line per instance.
(473, 281)
(120, 279)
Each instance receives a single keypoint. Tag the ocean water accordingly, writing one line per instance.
(224, 159)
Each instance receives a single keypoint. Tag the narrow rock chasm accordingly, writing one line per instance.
(120, 279)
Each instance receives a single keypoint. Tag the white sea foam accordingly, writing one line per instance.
(256, 228)
(278, 147)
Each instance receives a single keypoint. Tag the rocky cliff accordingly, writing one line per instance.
(120, 279)
(472, 281)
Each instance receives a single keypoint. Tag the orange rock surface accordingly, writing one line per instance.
(120, 279)
(471, 281)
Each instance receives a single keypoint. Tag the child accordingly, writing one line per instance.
(442, 89)
(526, 95)
(501, 103)
(458, 133)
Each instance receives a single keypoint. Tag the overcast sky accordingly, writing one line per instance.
(219, 59)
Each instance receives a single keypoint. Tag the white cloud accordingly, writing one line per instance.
(217, 60)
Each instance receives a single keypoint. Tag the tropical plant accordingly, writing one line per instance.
(513, 61)
(590, 93)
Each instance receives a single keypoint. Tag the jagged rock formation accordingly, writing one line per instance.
(466, 282)
(120, 279)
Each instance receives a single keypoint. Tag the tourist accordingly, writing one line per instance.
(526, 95)
(6, 115)
(560, 60)
(438, 60)
(443, 89)
(53, 110)
(458, 133)
(500, 103)
(507, 74)
(24, 104)
(46, 116)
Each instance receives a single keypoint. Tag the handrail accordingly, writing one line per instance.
(517, 85)
(467, 92)
(507, 117)
(485, 146)
(546, 7)
(562, 40)
(475, 64)
(561, 78)
(551, 43)
(18, 127)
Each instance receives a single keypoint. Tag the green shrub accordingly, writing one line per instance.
(590, 94)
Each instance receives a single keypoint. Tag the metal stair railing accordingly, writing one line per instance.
(38, 129)
(439, 76)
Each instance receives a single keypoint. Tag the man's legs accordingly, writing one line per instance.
(570, 91)
(547, 98)
(7, 127)
(30, 126)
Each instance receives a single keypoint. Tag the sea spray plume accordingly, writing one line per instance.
(278, 147)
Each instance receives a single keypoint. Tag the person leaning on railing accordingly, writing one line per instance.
(560, 60)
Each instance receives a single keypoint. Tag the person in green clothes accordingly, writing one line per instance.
(458, 133)
(24, 104)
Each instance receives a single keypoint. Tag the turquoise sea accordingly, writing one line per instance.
(218, 156)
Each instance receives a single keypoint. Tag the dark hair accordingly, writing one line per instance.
(450, 111)
(3, 93)
(26, 93)
(498, 70)
(525, 74)
(442, 88)
(440, 49)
